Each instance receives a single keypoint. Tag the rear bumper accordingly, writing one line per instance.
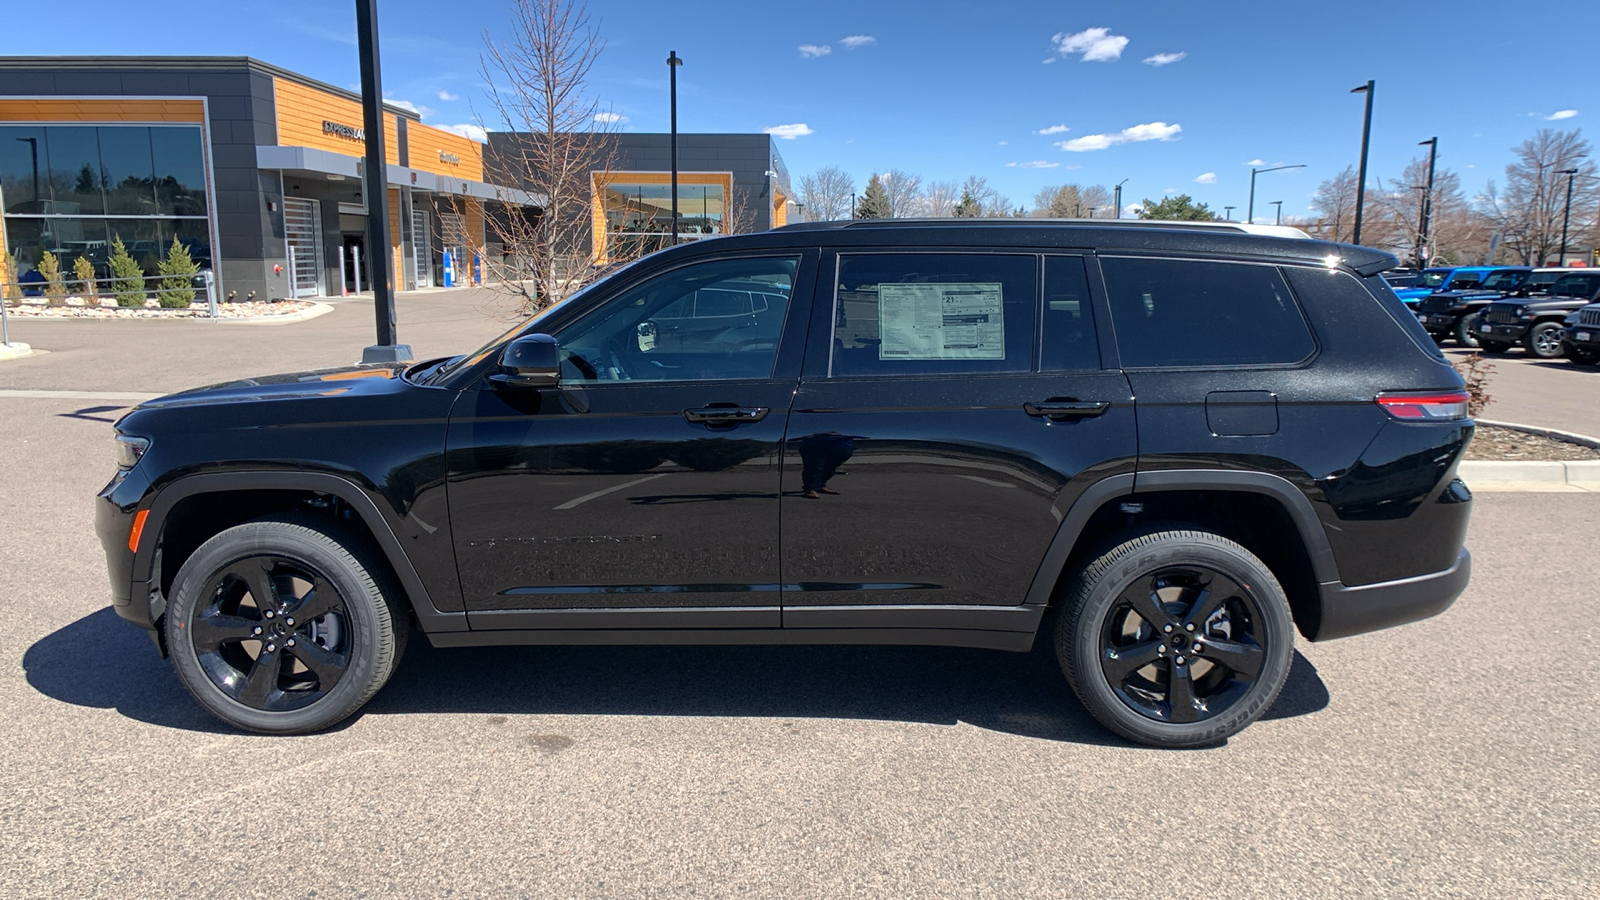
(1355, 610)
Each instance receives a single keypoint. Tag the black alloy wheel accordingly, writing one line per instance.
(284, 626)
(1176, 638)
(1544, 340)
(1465, 330)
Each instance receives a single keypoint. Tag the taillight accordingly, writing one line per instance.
(1424, 406)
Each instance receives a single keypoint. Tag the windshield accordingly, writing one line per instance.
(1504, 281)
(1539, 282)
(478, 355)
(1432, 278)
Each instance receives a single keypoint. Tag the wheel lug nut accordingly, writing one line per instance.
(272, 648)
(1180, 660)
(1167, 629)
(1198, 648)
(256, 630)
(1189, 627)
(289, 642)
(270, 614)
(1162, 649)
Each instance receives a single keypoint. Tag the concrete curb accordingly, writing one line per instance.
(320, 309)
(15, 350)
(1530, 475)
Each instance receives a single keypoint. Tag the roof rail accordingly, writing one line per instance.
(1271, 230)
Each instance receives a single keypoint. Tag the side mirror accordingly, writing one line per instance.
(533, 360)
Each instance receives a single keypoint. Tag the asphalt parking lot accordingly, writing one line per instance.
(1448, 758)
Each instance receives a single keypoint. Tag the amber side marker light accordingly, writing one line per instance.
(1424, 406)
(138, 529)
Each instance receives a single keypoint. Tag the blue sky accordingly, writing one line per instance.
(951, 89)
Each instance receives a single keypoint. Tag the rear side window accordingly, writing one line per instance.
(1177, 312)
(933, 314)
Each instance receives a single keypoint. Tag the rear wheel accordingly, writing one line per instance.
(1176, 638)
(1544, 340)
(283, 626)
(1465, 331)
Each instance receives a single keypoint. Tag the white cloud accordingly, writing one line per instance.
(1152, 131)
(475, 132)
(1256, 162)
(1164, 59)
(1169, 191)
(1004, 143)
(610, 118)
(1053, 129)
(1206, 178)
(812, 51)
(1561, 114)
(855, 41)
(1032, 164)
(447, 96)
(1096, 44)
(422, 111)
(789, 132)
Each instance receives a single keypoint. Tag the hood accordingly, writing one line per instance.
(357, 380)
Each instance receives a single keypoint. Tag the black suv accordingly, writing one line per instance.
(1582, 338)
(1451, 313)
(1536, 322)
(1165, 446)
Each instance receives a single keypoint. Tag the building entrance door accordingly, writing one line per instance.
(302, 234)
(421, 249)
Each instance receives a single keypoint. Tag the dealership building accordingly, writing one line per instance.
(259, 172)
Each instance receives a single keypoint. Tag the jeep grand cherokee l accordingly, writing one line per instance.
(1164, 446)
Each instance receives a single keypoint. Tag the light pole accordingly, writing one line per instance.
(1227, 213)
(673, 62)
(1369, 89)
(375, 191)
(1566, 215)
(1250, 212)
(1279, 204)
(1427, 200)
(852, 204)
(1118, 213)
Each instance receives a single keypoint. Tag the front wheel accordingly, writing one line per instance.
(1544, 340)
(1583, 357)
(1176, 638)
(1465, 331)
(283, 626)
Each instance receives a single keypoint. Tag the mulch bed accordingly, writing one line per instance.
(1495, 443)
(75, 308)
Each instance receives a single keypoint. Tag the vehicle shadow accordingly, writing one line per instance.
(101, 661)
(1566, 365)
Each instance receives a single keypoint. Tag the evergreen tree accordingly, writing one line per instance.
(1179, 208)
(176, 288)
(127, 279)
(83, 277)
(874, 202)
(55, 286)
(967, 207)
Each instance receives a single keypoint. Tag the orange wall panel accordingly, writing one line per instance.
(426, 143)
(302, 110)
(68, 109)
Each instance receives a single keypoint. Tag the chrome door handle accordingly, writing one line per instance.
(726, 415)
(1066, 409)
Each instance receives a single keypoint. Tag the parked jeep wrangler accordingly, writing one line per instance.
(1164, 446)
(1581, 340)
(1537, 322)
(1448, 313)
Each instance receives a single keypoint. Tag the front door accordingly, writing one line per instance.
(949, 414)
(649, 478)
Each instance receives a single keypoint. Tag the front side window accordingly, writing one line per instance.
(1575, 286)
(1504, 281)
(1432, 278)
(1176, 312)
(707, 321)
(933, 314)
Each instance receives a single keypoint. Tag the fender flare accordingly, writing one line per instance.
(428, 615)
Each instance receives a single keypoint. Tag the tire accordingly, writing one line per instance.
(259, 669)
(1109, 625)
(1544, 340)
(1583, 357)
(1462, 331)
(1488, 346)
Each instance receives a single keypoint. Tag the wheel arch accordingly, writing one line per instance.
(257, 493)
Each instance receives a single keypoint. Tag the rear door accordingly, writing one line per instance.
(951, 408)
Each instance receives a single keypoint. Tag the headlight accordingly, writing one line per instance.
(130, 449)
(1570, 320)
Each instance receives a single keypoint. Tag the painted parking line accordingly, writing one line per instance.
(77, 395)
(601, 493)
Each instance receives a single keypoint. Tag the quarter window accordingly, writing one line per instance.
(1068, 319)
(1171, 312)
(931, 314)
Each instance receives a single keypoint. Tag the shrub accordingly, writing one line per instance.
(83, 277)
(55, 286)
(127, 279)
(8, 277)
(175, 290)
(1475, 371)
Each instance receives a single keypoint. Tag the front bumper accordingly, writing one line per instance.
(1438, 323)
(1584, 337)
(1356, 610)
(1506, 334)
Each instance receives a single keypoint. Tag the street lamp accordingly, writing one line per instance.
(1118, 213)
(1369, 89)
(33, 146)
(376, 193)
(673, 62)
(1427, 200)
(1250, 212)
(1227, 213)
(852, 204)
(1566, 216)
(1279, 205)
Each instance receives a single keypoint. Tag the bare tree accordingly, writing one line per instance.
(1061, 201)
(1334, 206)
(1529, 212)
(904, 191)
(1096, 197)
(537, 83)
(1455, 232)
(826, 194)
(939, 200)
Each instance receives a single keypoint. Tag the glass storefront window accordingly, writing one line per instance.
(24, 172)
(639, 216)
(74, 176)
(147, 240)
(127, 172)
(180, 177)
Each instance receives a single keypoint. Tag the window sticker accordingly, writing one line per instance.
(941, 321)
